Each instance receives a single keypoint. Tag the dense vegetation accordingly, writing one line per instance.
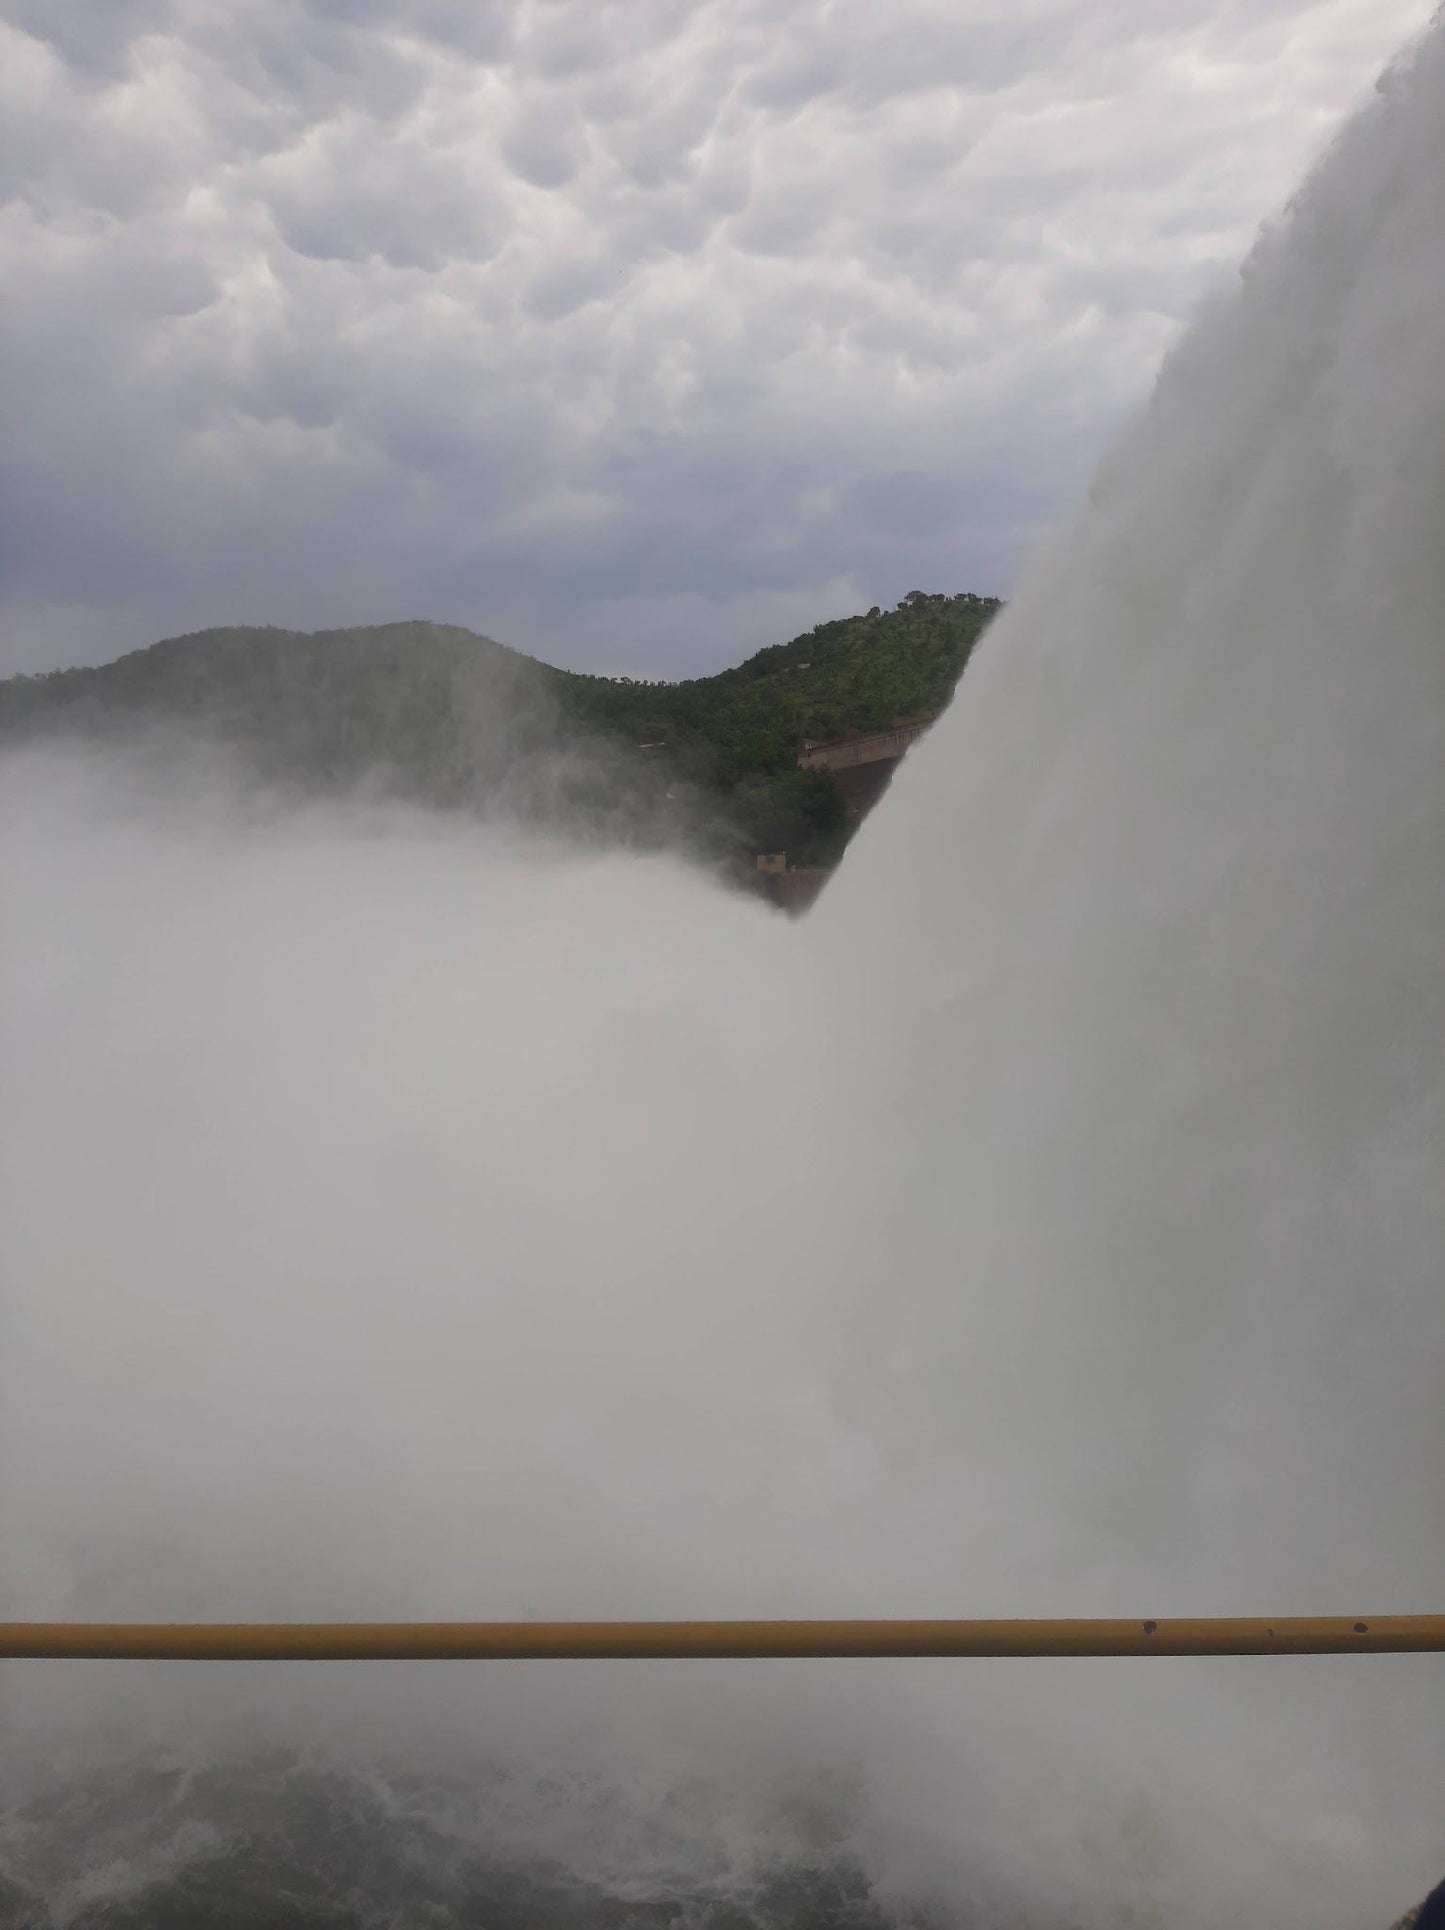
(737, 733)
(438, 714)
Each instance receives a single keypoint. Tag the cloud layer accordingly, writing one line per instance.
(636, 334)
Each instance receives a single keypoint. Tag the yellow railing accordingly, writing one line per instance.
(696, 1641)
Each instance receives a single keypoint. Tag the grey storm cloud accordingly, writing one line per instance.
(635, 332)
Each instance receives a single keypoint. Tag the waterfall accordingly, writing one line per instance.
(408, 1218)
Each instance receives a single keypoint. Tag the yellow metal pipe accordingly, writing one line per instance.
(695, 1641)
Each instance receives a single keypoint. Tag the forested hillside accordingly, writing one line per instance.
(448, 718)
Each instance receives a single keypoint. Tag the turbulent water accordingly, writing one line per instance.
(402, 1219)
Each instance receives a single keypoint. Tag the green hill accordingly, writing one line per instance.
(442, 716)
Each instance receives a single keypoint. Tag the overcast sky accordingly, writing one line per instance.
(637, 335)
